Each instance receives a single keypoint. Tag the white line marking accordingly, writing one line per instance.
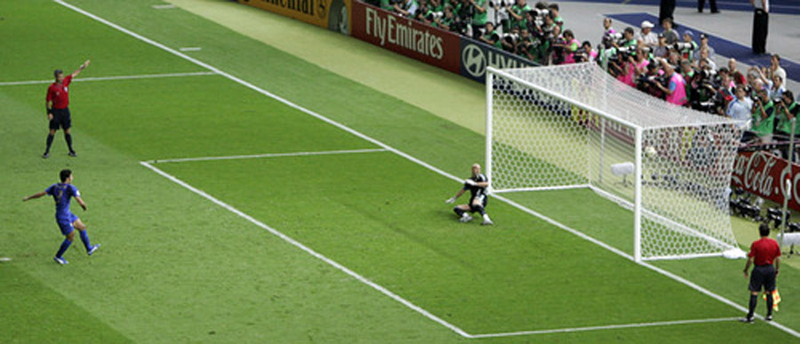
(273, 155)
(607, 327)
(191, 49)
(400, 153)
(163, 7)
(105, 78)
(319, 256)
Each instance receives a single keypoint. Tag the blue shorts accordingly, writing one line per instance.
(66, 224)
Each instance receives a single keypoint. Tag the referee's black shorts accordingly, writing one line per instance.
(61, 119)
(763, 275)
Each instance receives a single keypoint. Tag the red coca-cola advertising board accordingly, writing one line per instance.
(405, 36)
(763, 174)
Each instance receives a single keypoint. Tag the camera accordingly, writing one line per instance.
(434, 15)
(681, 46)
(580, 55)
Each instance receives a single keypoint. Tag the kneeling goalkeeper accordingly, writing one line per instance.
(476, 185)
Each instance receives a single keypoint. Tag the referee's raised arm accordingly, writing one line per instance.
(80, 69)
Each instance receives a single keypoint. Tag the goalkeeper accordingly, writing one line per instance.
(476, 185)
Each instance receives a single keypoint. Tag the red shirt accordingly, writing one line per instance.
(59, 93)
(764, 251)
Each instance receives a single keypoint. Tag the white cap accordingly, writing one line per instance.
(647, 24)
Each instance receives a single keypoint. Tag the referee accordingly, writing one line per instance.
(57, 103)
(763, 252)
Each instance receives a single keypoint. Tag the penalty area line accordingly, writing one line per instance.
(604, 327)
(273, 155)
(106, 78)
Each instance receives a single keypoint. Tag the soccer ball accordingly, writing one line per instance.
(650, 151)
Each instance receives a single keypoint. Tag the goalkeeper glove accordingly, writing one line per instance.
(469, 182)
(450, 200)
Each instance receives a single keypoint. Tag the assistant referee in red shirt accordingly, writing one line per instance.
(764, 253)
(57, 103)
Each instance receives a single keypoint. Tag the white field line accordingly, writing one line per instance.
(273, 155)
(164, 7)
(400, 153)
(105, 78)
(308, 250)
(191, 49)
(607, 327)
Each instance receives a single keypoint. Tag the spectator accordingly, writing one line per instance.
(591, 54)
(775, 67)
(776, 88)
(447, 20)
(710, 53)
(675, 90)
(740, 108)
(479, 18)
(556, 52)
(689, 45)
(526, 46)
(607, 29)
(763, 116)
(628, 39)
(640, 64)
(517, 13)
(670, 33)
(703, 97)
(408, 8)
(649, 83)
(785, 111)
(662, 49)
(726, 85)
(509, 41)
(687, 72)
(556, 16)
(647, 37)
(706, 59)
(569, 46)
(732, 66)
(490, 36)
(424, 13)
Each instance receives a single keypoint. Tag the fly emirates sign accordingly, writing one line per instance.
(401, 31)
(405, 36)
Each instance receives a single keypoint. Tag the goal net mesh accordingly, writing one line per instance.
(575, 126)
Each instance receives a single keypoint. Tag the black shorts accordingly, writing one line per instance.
(61, 119)
(481, 198)
(763, 275)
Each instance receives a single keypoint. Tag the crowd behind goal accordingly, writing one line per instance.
(677, 66)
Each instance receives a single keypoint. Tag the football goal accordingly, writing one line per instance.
(575, 126)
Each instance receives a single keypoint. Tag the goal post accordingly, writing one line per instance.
(574, 126)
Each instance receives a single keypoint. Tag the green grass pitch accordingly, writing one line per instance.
(177, 267)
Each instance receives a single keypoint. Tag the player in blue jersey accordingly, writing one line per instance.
(477, 186)
(62, 193)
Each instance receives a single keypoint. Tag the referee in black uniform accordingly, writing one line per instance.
(765, 255)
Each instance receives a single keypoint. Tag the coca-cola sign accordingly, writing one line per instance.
(763, 174)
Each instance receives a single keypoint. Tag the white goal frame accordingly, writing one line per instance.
(636, 205)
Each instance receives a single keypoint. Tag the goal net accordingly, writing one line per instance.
(575, 126)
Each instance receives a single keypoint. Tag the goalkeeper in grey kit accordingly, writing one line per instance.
(476, 185)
